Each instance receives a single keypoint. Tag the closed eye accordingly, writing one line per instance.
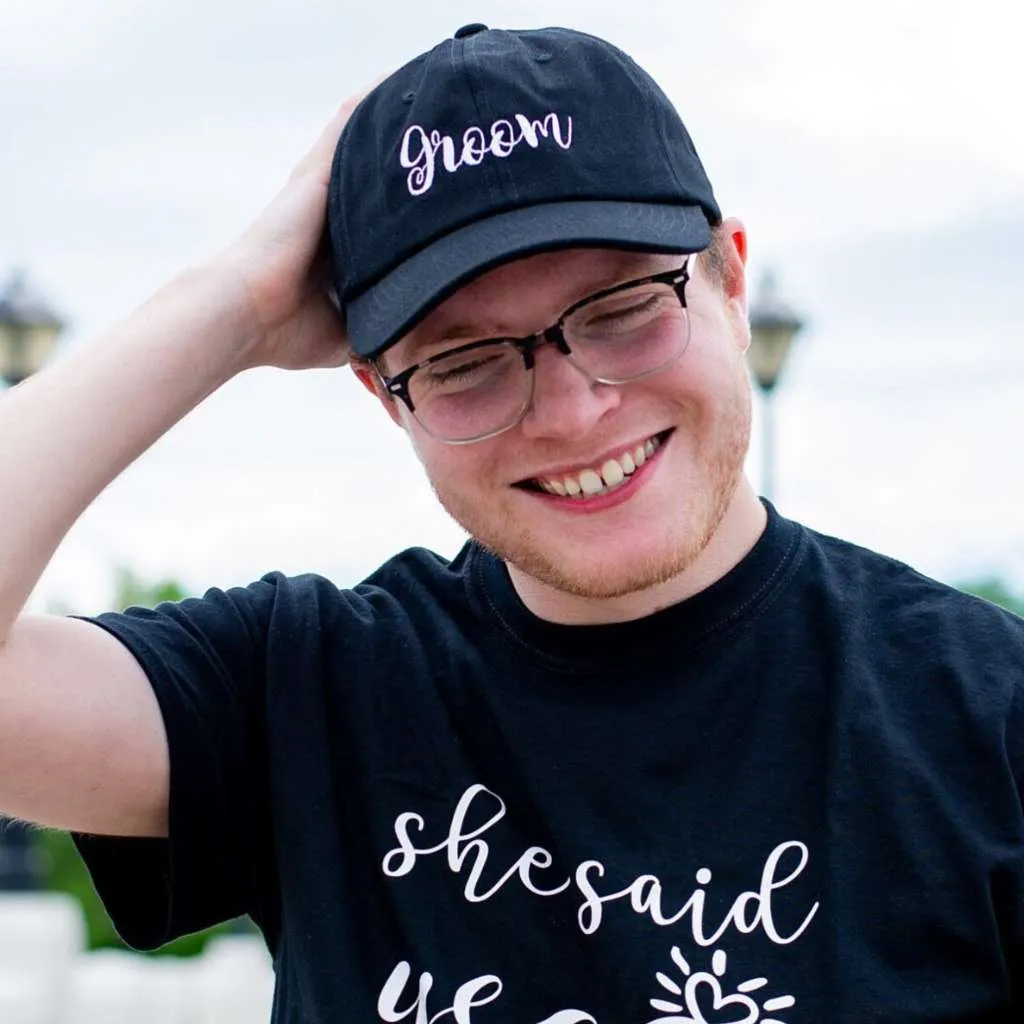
(447, 374)
(625, 312)
(621, 316)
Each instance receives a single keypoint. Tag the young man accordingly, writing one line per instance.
(645, 750)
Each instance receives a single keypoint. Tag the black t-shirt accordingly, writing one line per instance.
(793, 798)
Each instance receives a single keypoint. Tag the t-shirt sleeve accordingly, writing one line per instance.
(205, 659)
(1014, 908)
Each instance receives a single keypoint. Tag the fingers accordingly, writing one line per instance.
(319, 158)
(326, 343)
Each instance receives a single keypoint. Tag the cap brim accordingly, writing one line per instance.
(379, 316)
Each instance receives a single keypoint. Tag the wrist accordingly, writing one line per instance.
(211, 307)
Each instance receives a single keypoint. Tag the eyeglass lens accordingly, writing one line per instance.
(478, 392)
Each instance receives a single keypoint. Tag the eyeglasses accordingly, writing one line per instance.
(616, 336)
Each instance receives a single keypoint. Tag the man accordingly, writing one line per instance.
(645, 750)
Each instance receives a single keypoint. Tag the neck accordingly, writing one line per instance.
(741, 526)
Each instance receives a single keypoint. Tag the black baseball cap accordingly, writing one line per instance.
(496, 145)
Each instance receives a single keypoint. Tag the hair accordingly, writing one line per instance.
(715, 257)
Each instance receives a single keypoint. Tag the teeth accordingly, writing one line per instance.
(611, 474)
(590, 482)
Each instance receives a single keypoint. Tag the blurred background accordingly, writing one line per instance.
(873, 151)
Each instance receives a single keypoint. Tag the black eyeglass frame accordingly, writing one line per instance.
(398, 385)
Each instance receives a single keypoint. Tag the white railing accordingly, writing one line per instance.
(46, 977)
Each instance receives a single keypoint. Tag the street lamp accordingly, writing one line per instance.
(773, 326)
(28, 332)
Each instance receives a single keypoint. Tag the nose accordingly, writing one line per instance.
(566, 402)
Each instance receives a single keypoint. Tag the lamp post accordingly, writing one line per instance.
(29, 329)
(773, 326)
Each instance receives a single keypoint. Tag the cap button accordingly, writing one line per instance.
(470, 30)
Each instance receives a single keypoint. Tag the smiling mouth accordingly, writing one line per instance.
(599, 479)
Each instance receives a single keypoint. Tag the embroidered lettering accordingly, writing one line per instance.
(420, 148)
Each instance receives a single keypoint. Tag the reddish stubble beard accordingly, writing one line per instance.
(707, 493)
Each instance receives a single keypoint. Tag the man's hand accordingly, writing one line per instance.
(280, 267)
(82, 741)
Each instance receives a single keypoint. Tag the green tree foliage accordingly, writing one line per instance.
(65, 870)
(997, 591)
(133, 591)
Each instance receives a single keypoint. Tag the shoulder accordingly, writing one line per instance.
(924, 667)
(905, 623)
(891, 588)
(413, 586)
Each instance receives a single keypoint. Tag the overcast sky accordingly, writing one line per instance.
(873, 150)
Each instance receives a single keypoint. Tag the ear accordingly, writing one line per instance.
(370, 379)
(734, 278)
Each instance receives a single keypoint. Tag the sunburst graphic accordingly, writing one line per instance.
(702, 993)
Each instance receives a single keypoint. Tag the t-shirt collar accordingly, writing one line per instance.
(700, 621)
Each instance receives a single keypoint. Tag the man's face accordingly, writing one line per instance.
(697, 412)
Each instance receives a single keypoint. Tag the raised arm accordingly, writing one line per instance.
(82, 744)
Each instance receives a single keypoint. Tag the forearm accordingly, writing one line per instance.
(74, 427)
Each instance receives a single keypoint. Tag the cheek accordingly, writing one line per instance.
(723, 324)
(717, 352)
(705, 376)
(450, 468)
(417, 445)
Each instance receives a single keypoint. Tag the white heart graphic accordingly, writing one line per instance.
(713, 1000)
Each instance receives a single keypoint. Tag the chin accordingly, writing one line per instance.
(622, 568)
(586, 578)
(664, 538)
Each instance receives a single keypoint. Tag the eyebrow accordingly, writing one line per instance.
(466, 332)
(421, 349)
